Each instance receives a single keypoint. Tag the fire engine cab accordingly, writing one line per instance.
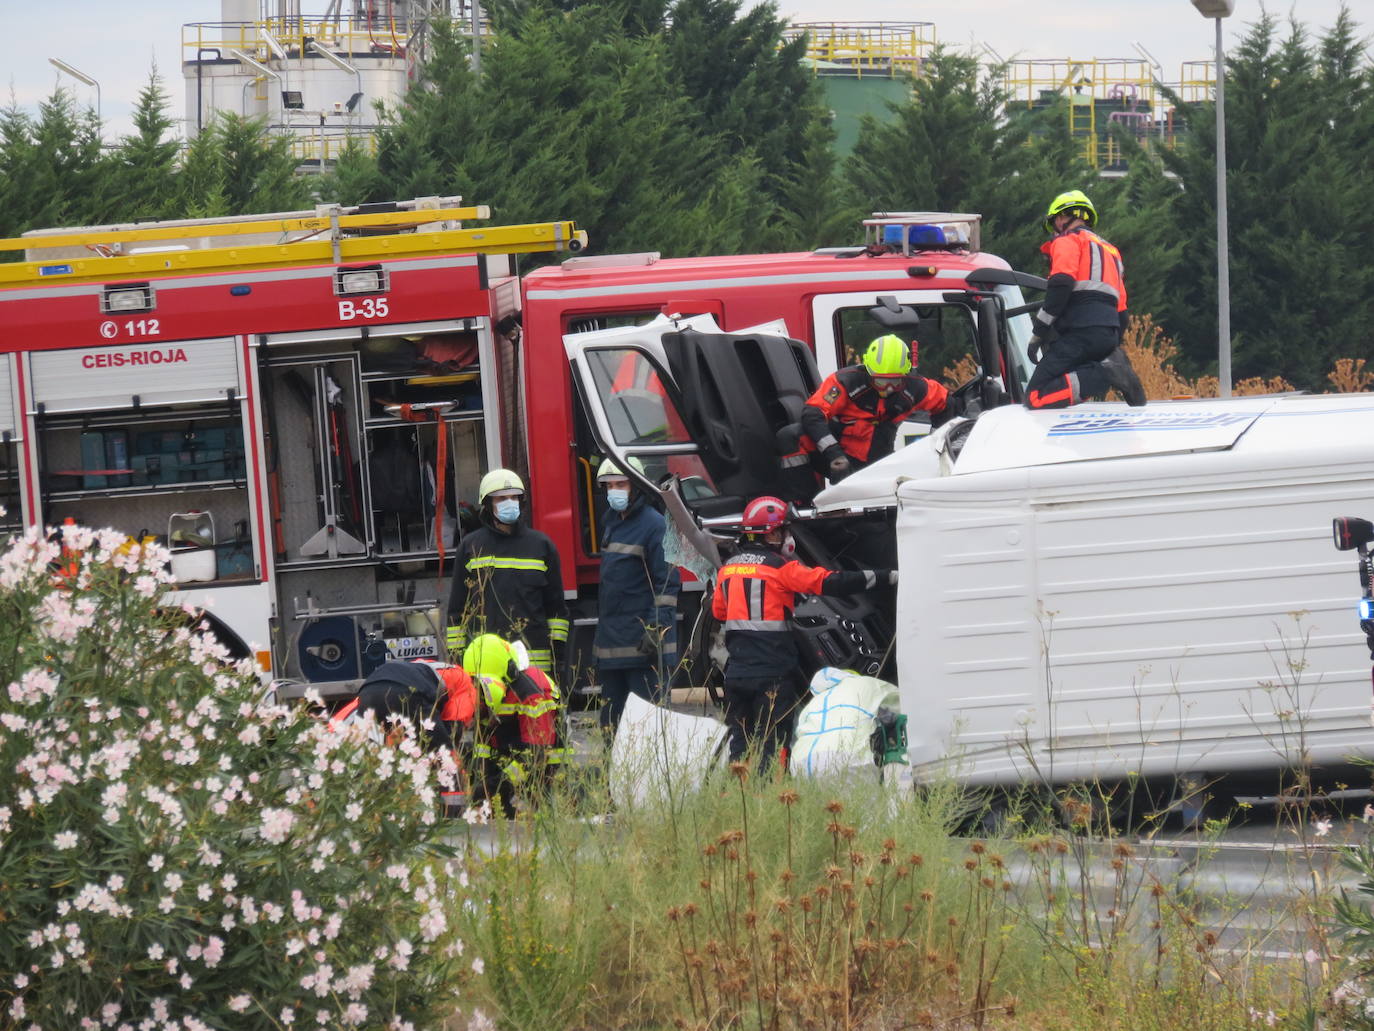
(699, 368)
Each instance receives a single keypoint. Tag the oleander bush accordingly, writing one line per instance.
(179, 851)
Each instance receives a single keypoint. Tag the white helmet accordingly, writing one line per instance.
(610, 469)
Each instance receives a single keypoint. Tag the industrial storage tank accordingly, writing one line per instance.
(315, 78)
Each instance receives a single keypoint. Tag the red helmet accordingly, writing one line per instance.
(764, 514)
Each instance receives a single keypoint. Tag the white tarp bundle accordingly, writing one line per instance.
(660, 755)
(835, 727)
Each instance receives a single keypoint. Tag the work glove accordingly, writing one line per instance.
(648, 644)
(1035, 348)
(839, 465)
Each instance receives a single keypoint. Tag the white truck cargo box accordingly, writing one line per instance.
(1103, 591)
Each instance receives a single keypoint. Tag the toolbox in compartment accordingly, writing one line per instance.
(93, 457)
(192, 454)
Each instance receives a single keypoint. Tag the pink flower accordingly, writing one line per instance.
(276, 825)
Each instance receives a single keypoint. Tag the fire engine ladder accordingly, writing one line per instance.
(330, 235)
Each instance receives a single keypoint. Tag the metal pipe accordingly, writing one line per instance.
(1223, 246)
(477, 38)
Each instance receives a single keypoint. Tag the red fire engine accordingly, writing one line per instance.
(303, 403)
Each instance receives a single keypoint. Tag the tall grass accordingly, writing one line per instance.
(849, 905)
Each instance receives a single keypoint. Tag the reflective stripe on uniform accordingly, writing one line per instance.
(755, 624)
(1045, 318)
(1099, 286)
(625, 549)
(558, 628)
(495, 562)
(826, 442)
(630, 652)
(870, 578)
(665, 600)
(793, 461)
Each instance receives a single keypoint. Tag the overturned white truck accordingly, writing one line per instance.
(1101, 592)
(1094, 592)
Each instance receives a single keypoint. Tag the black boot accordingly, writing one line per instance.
(1121, 376)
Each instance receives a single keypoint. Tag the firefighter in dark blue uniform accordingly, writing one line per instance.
(636, 631)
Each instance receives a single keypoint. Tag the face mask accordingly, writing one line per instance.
(508, 511)
(618, 499)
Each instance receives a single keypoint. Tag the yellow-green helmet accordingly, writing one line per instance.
(498, 479)
(1076, 203)
(488, 656)
(888, 356)
(611, 469)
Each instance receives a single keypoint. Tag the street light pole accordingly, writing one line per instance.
(1217, 10)
(64, 67)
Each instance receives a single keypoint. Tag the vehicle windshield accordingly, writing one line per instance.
(945, 337)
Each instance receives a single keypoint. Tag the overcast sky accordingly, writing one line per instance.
(116, 41)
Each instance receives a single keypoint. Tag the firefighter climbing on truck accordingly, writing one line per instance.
(1078, 329)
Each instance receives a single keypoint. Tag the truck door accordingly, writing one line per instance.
(712, 408)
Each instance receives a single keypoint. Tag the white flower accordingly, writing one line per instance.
(477, 965)
(478, 814)
(239, 1003)
(155, 862)
(65, 840)
(1321, 828)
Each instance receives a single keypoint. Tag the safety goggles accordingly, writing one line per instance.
(885, 384)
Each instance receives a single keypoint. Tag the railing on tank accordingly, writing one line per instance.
(865, 48)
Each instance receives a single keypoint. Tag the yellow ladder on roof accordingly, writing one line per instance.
(341, 236)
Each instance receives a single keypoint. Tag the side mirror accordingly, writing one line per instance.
(989, 339)
(896, 318)
(1349, 533)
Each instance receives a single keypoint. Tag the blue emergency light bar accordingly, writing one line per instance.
(917, 235)
(1366, 608)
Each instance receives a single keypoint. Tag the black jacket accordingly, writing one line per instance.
(510, 584)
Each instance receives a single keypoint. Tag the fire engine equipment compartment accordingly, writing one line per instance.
(138, 437)
(375, 443)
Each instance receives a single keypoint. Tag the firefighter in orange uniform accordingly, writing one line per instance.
(755, 593)
(1085, 305)
(852, 417)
